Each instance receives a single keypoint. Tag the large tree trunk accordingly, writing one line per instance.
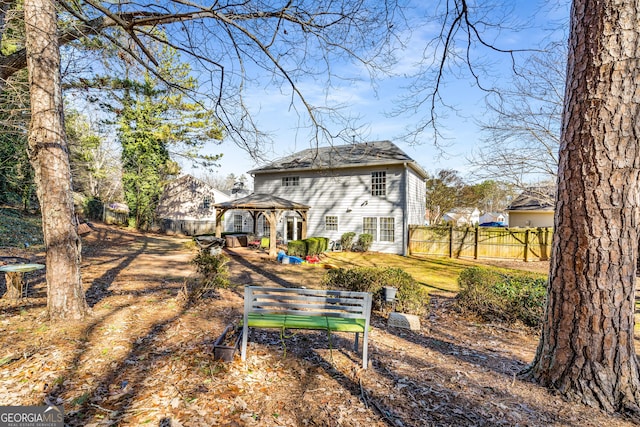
(50, 159)
(587, 346)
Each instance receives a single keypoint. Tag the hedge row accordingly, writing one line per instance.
(310, 246)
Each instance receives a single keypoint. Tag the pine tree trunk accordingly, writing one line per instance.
(49, 156)
(586, 350)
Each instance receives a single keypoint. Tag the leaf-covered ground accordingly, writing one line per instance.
(144, 356)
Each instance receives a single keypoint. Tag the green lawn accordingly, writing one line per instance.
(438, 274)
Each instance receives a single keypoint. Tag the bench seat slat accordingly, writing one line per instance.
(301, 291)
(311, 298)
(309, 313)
(306, 322)
(309, 307)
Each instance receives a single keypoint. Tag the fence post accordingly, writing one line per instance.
(451, 241)
(475, 242)
(526, 245)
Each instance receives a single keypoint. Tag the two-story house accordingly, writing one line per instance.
(371, 187)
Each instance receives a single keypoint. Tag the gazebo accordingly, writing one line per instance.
(271, 207)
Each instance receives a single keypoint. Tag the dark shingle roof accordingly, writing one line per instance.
(342, 156)
(535, 199)
(261, 201)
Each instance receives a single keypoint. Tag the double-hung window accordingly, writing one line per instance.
(387, 227)
(370, 226)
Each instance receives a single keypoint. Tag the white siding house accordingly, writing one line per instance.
(363, 188)
(186, 207)
(462, 216)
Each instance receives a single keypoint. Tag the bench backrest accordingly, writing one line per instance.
(307, 302)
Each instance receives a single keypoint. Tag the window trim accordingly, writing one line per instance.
(379, 183)
(374, 228)
(330, 226)
(235, 223)
(290, 181)
(386, 231)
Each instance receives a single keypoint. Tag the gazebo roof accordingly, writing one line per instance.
(261, 201)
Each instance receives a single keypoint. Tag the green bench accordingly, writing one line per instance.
(294, 308)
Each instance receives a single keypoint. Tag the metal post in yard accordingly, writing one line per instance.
(526, 245)
(475, 243)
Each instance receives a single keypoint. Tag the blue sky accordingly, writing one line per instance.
(272, 110)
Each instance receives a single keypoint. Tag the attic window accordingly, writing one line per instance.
(206, 203)
(379, 183)
(291, 181)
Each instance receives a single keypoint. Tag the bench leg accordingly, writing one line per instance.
(245, 336)
(365, 344)
(355, 342)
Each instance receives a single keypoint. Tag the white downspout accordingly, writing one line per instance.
(405, 213)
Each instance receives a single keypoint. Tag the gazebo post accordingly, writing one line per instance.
(219, 213)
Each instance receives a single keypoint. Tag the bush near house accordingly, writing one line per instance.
(507, 297)
(347, 240)
(364, 242)
(311, 246)
(411, 298)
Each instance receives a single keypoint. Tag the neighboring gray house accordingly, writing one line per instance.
(370, 187)
(186, 207)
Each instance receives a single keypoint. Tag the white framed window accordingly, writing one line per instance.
(206, 202)
(379, 183)
(370, 226)
(387, 229)
(290, 181)
(331, 223)
(237, 223)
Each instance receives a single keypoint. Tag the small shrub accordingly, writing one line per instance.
(347, 240)
(313, 246)
(364, 241)
(324, 244)
(411, 297)
(213, 272)
(297, 248)
(507, 297)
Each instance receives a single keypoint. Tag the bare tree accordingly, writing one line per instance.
(522, 134)
(283, 42)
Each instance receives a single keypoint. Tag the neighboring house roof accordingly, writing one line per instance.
(374, 153)
(535, 199)
(259, 201)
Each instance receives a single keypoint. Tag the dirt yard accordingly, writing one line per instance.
(144, 356)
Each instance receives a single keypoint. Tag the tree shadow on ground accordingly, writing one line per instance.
(413, 391)
(268, 275)
(99, 288)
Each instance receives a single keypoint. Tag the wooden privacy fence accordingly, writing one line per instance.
(528, 244)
